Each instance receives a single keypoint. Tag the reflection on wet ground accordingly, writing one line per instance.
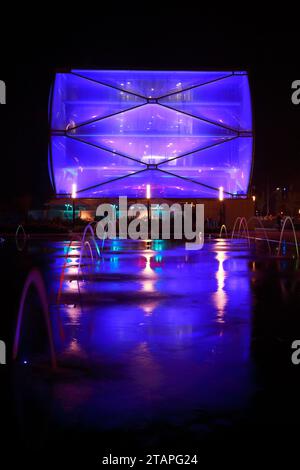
(157, 346)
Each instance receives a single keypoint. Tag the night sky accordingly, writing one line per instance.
(267, 49)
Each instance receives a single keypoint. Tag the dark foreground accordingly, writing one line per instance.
(159, 351)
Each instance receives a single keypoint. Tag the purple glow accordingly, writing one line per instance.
(151, 133)
(108, 125)
(226, 165)
(150, 84)
(162, 185)
(225, 102)
(77, 100)
(86, 165)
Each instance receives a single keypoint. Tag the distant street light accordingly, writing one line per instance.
(222, 207)
(221, 193)
(148, 197)
(74, 192)
(148, 191)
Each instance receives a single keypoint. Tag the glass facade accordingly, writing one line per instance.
(184, 133)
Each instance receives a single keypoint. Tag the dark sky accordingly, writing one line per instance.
(266, 48)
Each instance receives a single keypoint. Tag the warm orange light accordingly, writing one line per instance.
(253, 198)
(221, 193)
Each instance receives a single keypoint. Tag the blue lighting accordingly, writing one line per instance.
(183, 133)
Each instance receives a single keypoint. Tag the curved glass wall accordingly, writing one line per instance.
(184, 133)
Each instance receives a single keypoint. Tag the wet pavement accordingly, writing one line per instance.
(157, 348)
